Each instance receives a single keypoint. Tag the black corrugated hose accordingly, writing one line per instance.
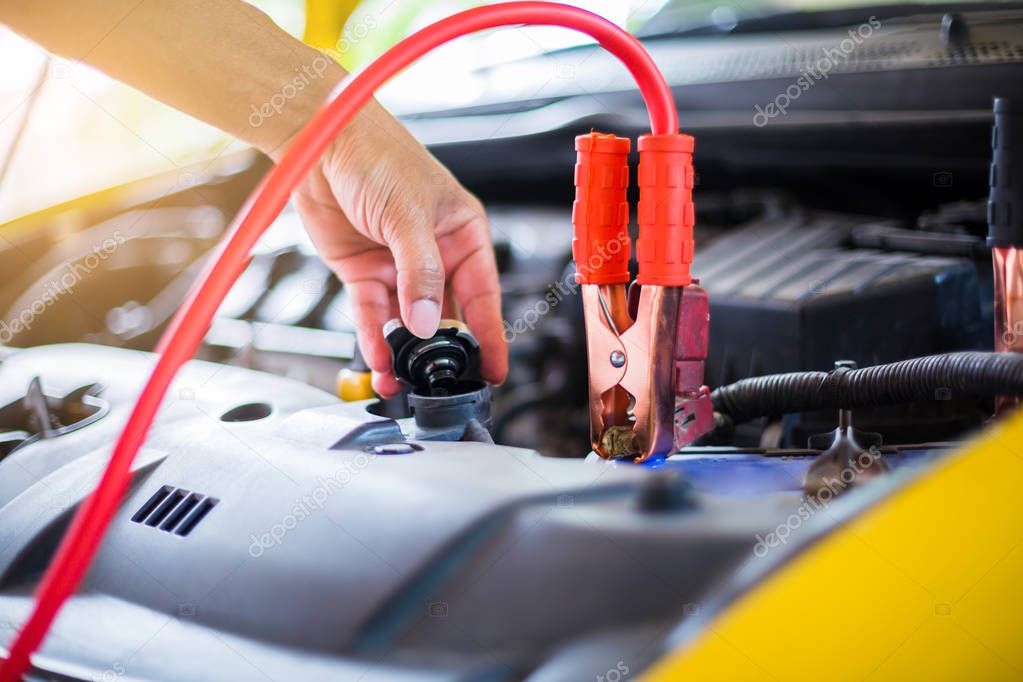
(935, 377)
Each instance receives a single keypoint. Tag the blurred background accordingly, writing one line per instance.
(88, 132)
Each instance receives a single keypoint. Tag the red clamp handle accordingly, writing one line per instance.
(666, 214)
(600, 214)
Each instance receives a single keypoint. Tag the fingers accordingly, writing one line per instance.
(477, 290)
(385, 384)
(372, 307)
(420, 278)
(368, 273)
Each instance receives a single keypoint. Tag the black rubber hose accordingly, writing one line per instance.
(936, 377)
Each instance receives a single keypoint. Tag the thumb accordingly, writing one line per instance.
(420, 278)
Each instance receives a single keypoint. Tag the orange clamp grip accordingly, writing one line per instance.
(600, 214)
(666, 214)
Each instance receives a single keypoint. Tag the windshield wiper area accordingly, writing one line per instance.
(681, 19)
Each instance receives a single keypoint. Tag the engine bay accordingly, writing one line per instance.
(243, 519)
(280, 514)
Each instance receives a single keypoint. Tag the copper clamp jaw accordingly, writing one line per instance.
(647, 397)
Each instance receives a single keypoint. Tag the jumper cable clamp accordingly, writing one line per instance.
(646, 343)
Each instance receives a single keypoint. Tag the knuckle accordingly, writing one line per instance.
(401, 214)
(470, 208)
(468, 212)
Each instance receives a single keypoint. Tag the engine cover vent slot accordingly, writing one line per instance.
(174, 510)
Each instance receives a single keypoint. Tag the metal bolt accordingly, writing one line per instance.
(617, 358)
(665, 491)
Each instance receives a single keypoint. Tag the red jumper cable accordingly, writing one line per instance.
(662, 235)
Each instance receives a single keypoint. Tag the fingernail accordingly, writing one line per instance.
(424, 318)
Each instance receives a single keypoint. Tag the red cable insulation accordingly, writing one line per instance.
(189, 326)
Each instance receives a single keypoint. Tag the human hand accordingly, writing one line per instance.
(389, 219)
(397, 228)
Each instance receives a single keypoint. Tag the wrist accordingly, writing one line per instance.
(283, 112)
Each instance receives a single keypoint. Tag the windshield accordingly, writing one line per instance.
(680, 16)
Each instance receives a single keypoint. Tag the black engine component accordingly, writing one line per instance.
(437, 365)
(786, 295)
(938, 377)
(446, 395)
